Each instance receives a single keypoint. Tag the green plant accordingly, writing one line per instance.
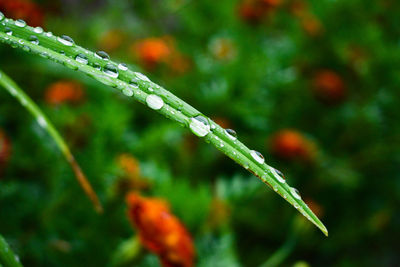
(133, 84)
(44, 122)
(7, 256)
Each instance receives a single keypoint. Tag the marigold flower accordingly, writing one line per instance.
(329, 87)
(160, 231)
(290, 144)
(152, 51)
(5, 149)
(64, 91)
(23, 9)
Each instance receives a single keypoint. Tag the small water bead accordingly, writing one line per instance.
(111, 70)
(33, 39)
(154, 102)
(20, 23)
(257, 156)
(66, 40)
(295, 193)
(134, 84)
(8, 31)
(1, 16)
(278, 175)
(102, 55)
(127, 91)
(81, 58)
(123, 66)
(49, 34)
(199, 125)
(231, 134)
(38, 30)
(97, 66)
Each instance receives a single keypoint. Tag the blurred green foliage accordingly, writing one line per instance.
(255, 75)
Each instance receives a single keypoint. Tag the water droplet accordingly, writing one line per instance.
(81, 58)
(296, 206)
(142, 77)
(1, 16)
(49, 34)
(33, 39)
(65, 40)
(123, 66)
(96, 66)
(231, 134)
(257, 156)
(102, 55)
(295, 193)
(278, 175)
(8, 31)
(38, 30)
(199, 125)
(127, 91)
(154, 102)
(134, 84)
(20, 23)
(111, 70)
(275, 188)
(42, 122)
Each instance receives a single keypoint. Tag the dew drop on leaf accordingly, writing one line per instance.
(33, 39)
(278, 175)
(81, 58)
(38, 30)
(20, 23)
(123, 66)
(199, 125)
(231, 134)
(154, 102)
(102, 55)
(257, 156)
(111, 70)
(295, 193)
(65, 40)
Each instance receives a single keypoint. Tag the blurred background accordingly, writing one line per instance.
(313, 85)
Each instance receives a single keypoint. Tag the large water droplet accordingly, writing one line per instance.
(81, 58)
(199, 125)
(295, 193)
(231, 134)
(257, 156)
(111, 70)
(154, 102)
(65, 40)
(20, 23)
(278, 175)
(123, 66)
(38, 30)
(1, 16)
(33, 39)
(102, 55)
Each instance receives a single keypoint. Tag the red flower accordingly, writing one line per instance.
(329, 87)
(290, 144)
(23, 9)
(160, 231)
(64, 91)
(152, 51)
(5, 150)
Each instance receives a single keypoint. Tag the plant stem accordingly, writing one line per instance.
(45, 123)
(7, 257)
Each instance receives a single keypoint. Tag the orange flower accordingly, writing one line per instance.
(329, 87)
(290, 144)
(23, 9)
(64, 91)
(160, 231)
(5, 149)
(152, 51)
